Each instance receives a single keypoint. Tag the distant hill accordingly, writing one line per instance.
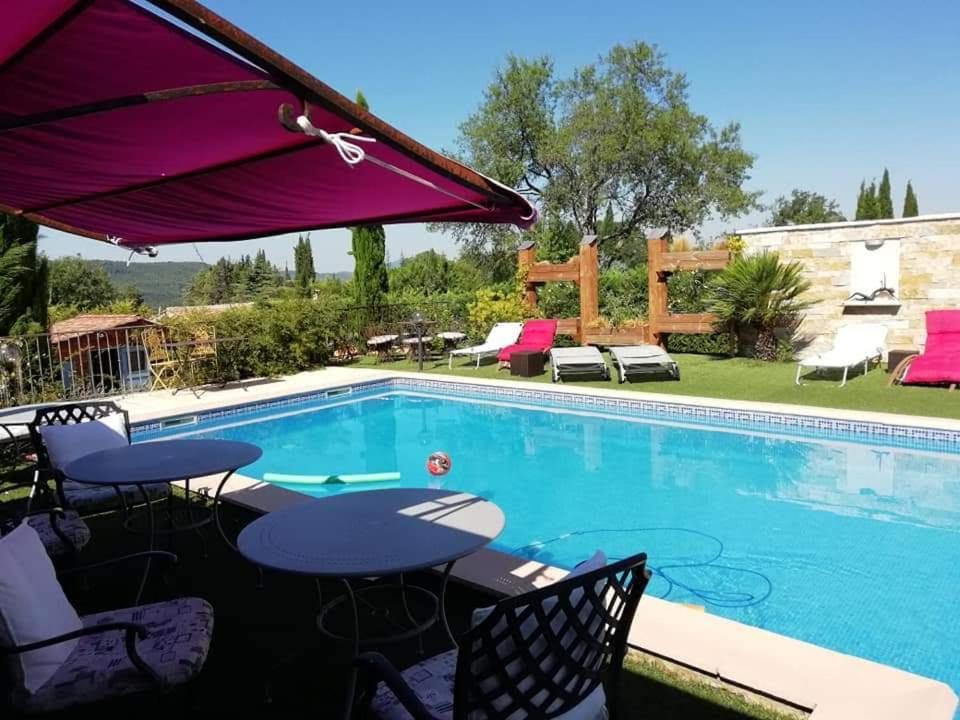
(160, 283)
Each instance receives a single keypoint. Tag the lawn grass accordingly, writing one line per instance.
(744, 379)
(268, 659)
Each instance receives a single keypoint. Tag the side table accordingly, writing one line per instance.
(526, 363)
(895, 357)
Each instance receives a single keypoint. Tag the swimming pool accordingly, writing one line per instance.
(842, 538)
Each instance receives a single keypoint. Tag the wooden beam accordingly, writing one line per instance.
(589, 281)
(549, 272)
(695, 260)
(691, 323)
(526, 257)
(656, 285)
(569, 326)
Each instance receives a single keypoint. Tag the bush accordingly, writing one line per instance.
(276, 338)
(559, 300)
(490, 307)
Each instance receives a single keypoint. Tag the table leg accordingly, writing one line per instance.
(406, 609)
(443, 601)
(223, 534)
(190, 520)
(352, 679)
(152, 535)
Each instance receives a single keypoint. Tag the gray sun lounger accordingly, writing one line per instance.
(643, 359)
(583, 361)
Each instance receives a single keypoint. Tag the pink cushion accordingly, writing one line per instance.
(940, 361)
(934, 368)
(536, 335)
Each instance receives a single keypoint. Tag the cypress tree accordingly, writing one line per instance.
(910, 208)
(871, 203)
(860, 199)
(369, 250)
(303, 271)
(884, 197)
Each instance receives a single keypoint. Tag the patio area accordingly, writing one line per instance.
(268, 657)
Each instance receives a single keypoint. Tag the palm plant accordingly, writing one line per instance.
(761, 293)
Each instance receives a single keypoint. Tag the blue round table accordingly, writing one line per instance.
(374, 534)
(165, 461)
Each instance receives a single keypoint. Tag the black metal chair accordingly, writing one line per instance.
(85, 499)
(145, 648)
(537, 655)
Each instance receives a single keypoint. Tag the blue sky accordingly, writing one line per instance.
(827, 93)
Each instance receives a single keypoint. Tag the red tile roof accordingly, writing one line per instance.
(87, 324)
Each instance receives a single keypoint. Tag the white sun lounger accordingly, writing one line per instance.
(643, 359)
(577, 361)
(854, 344)
(500, 336)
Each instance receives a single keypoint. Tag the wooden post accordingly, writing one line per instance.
(656, 287)
(589, 283)
(526, 257)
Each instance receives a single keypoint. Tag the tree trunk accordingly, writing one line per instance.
(766, 345)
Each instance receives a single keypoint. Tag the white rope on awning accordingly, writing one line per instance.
(352, 154)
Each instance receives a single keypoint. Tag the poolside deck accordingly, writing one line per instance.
(831, 684)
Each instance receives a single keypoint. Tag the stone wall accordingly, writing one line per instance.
(929, 273)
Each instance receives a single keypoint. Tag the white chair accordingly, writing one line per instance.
(500, 336)
(853, 344)
(582, 361)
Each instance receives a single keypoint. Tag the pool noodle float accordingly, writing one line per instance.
(332, 479)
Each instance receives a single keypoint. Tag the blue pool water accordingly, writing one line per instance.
(851, 546)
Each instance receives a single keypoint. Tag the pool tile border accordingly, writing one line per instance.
(813, 426)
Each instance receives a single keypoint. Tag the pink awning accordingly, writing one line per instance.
(119, 125)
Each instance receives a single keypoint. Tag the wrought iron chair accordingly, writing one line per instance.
(538, 655)
(84, 499)
(145, 648)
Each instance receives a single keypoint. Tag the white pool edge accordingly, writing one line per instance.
(833, 685)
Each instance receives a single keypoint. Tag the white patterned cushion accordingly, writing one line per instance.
(432, 681)
(99, 667)
(99, 498)
(76, 531)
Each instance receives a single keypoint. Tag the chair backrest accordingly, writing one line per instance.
(153, 342)
(861, 337)
(543, 653)
(943, 332)
(538, 333)
(503, 334)
(70, 415)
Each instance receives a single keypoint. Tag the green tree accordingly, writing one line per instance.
(868, 204)
(910, 207)
(23, 277)
(304, 271)
(81, 284)
(804, 207)
(615, 133)
(369, 250)
(884, 197)
(761, 293)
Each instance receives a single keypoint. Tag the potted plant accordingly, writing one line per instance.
(758, 294)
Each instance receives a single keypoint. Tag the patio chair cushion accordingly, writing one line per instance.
(99, 667)
(98, 498)
(73, 528)
(432, 681)
(33, 607)
(66, 443)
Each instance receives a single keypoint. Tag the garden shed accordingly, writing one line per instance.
(101, 351)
